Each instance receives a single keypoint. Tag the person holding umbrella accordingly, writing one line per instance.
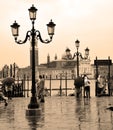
(9, 90)
(7, 83)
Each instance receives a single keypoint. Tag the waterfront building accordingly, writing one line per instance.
(9, 71)
(65, 67)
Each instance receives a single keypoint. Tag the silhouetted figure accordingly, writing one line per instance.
(41, 88)
(2, 96)
(101, 83)
(9, 91)
(86, 87)
(78, 82)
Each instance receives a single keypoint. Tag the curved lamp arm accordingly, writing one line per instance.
(75, 54)
(28, 34)
(43, 41)
(79, 54)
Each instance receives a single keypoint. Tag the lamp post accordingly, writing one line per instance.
(33, 35)
(79, 80)
(78, 54)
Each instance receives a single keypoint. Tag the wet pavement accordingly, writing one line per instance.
(59, 113)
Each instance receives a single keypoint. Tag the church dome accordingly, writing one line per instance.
(67, 55)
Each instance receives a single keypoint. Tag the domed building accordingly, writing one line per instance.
(67, 65)
(67, 55)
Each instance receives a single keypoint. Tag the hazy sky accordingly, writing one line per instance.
(89, 21)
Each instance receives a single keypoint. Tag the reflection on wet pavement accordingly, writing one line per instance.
(59, 113)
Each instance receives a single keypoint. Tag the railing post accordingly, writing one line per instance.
(24, 85)
(96, 87)
(109, 76)
(66, 83)
(50, 85)
(60, 84)
(27, 86)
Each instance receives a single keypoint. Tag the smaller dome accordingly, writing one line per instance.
(67, 50)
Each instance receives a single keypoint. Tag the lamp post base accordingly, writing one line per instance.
(33, 103)
(33, 107)
(33, 112)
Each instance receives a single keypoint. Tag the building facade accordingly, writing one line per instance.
(65, 67)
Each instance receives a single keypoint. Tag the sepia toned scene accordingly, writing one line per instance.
(56, 70)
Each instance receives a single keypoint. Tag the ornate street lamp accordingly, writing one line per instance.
(15, 28)
(77, 44)
(78, 54)
(78, 82)
(33, 35)
(87, 52)
(32, 13)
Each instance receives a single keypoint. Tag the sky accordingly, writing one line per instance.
(89, 21)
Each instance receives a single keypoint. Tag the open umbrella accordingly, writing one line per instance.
(8, 81)
(79, 82)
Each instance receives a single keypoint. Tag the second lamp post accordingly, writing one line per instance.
(78, 54)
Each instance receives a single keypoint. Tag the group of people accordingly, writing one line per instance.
(6, 91)
(84, 83)
(102, 86)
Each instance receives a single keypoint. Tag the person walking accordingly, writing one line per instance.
(37, 87)
(78, 83)
(86, 87)
(41, 88)
(2, 96)
(9, 91)
(101, 82)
